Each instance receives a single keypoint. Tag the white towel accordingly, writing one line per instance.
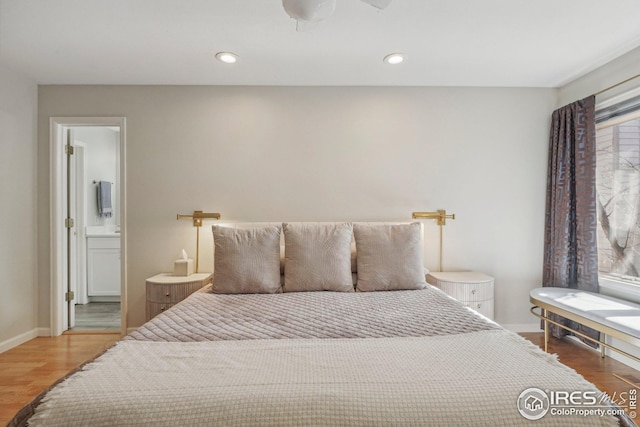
(104, 199)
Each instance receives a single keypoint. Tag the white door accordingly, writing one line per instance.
(80, 224)
(71, 238)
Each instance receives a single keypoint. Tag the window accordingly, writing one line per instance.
(618, 188)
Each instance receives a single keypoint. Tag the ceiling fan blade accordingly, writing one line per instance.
(380, 4)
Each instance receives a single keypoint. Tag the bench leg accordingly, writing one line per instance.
(546, 330)
(603, 338)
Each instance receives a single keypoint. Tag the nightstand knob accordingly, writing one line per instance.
(167, 294)
(473, 291)
(478, 305)
(161, 308)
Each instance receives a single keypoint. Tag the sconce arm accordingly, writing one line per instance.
(440, 216)
(198, 216)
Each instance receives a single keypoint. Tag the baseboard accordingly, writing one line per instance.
(631, 349)
(17, 340)
(44, 332)
(624, 359)
(523, 327)
(105, 299)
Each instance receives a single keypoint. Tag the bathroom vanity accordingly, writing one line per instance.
(103, 264)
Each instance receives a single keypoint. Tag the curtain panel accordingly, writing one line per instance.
(570, 248)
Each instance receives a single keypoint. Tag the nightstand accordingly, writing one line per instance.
(475, 290)
(166, 290)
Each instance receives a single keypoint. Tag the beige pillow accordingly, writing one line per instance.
(317, 257)
(246, 261)
(389, 257)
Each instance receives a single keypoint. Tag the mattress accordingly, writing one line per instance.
(314, 358)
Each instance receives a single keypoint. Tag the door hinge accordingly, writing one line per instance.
(69, 222)
(68, 150)
(69, 296)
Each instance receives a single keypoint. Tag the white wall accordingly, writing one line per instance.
(101, 164)
(18, 233)
(322, 154)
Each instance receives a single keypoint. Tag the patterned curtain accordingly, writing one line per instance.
(570, 249)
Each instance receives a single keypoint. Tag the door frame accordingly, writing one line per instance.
(57, 195)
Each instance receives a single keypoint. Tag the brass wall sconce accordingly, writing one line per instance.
(441, 218)
(197, 217)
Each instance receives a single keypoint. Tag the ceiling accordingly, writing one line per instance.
(528, 43)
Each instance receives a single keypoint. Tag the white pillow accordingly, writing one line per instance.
(389, 257)
(246, 261)
(317, 257)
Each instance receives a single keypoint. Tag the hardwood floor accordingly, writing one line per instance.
(588, 363)
(32, 367)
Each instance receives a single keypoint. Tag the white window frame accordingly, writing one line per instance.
(614, 284)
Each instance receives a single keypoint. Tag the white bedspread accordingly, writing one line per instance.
(211, 317)
(473, 378)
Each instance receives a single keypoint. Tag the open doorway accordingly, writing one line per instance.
(88, 251)
(94, 206)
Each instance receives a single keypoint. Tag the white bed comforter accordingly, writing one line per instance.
(462, 379)
(211, 317)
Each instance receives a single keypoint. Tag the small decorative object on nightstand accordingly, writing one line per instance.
(166, 290)
(475, 290)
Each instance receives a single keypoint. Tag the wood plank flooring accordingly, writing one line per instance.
(32, 367)
(588, 363)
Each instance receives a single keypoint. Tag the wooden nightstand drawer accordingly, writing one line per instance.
(159, 293)
(484, 307)
(155, 308)
(474, 290)
(467, 291)
(165, 290)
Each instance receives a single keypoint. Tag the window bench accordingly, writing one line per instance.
(610, 316)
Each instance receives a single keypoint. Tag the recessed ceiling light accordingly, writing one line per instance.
(227, 57)
(394, 58)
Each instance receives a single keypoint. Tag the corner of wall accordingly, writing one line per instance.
(610, 74)
(18, 243)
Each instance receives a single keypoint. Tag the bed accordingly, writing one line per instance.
(323, 354)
